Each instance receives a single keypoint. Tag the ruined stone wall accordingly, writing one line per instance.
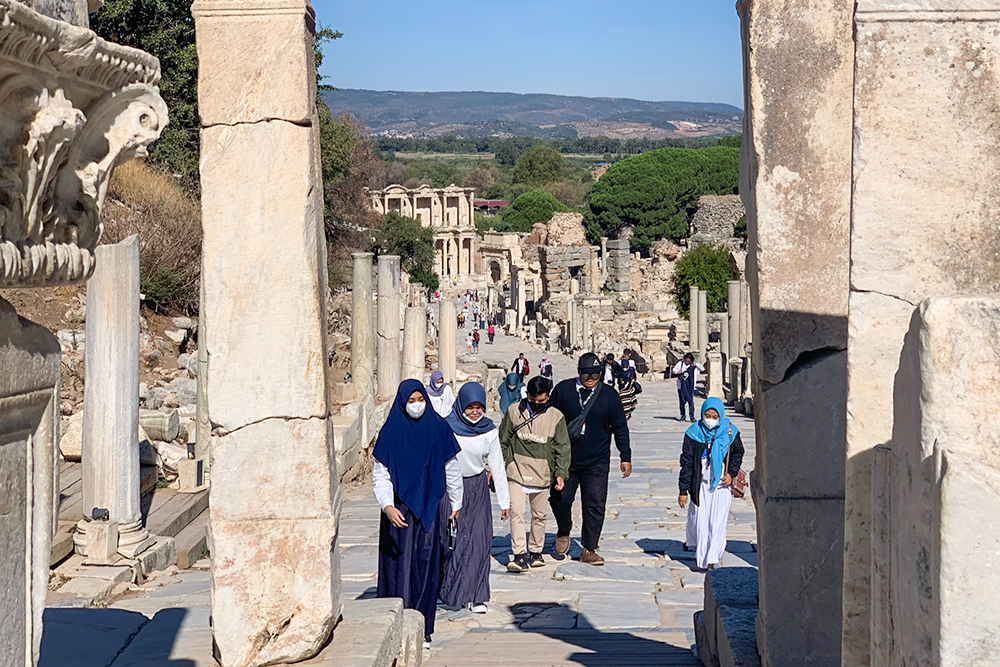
(717, 215)
(619, 261)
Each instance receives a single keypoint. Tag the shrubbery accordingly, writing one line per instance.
(403, 236)
(526, 210)
(706, 267)
(652, 193)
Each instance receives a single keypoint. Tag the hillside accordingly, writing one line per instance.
(470, 114)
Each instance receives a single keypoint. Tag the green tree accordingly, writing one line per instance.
(652, 193)
(732, 140)
(540, 165)
(707, 267)
(403, 236)
(165, 29)
(526, 210)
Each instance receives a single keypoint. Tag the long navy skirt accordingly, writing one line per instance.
(467, 570)
(410, 561)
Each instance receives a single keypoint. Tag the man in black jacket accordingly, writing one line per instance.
(591, 455)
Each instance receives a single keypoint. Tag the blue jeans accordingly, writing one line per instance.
(686, 399)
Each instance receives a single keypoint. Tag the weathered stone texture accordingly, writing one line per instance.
(363, 325)
(925, 94)
(566, 229)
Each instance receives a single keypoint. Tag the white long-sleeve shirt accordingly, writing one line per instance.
(386, 495)
(442, 404)
(478, 451)
(679, 368)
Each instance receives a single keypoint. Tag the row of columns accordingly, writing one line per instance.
(698, 323)
(454, 258)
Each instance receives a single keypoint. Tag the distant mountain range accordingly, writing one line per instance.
(475, 114)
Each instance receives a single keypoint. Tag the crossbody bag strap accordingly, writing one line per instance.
(726, 469)
(590, 401)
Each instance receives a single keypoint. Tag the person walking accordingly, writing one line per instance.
(520, 366)
(440, 393)
(536, 450)
(468, 342)
(511, 391)
(611, 370)
(466, 580)
(418, 483)
(600, 414)
(545, 367)
(475, 341)
(686, 371)
(709, 445)
(491, 332)
(628, 391)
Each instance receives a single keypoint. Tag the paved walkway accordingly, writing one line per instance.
(635, 610)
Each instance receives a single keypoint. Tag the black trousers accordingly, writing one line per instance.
(593, 485)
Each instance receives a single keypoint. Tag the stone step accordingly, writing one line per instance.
(191, 540)
(370, 634)
(175, 514)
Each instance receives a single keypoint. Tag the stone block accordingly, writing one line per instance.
(161, 555)
(411, 648)
(705, 654)
(191, 475)
(280, 304)
(370, 635)
(233, 88)
(344, 392)
(727, 587)
(800, 547)
(737, 638)
(102, 543)
(806, 445)
(264, 568)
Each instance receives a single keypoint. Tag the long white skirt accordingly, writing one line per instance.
(706, 524)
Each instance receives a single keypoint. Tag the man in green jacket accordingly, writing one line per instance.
(536, 451)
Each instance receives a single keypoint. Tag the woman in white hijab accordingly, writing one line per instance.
(440, 393)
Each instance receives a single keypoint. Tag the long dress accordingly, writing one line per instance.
(417, 472)
(706, 523)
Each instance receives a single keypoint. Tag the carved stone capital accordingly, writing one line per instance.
(72, 108)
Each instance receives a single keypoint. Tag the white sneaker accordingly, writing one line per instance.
(478, 609)
(427, 644)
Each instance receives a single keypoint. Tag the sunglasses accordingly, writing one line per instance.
(590, 376)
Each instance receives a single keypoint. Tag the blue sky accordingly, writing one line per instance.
(687, 50)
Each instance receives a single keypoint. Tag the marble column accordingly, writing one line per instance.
(362, 326)
(275, 493)
(715, 374)
(447, 325)
(585, 327)
(414, 343)
(573, 325)
(703, 325)
(732, 322)
(604, 260)
(724, 336)
(110, 454)
(693, 319)
(203, 425)
(387, 337)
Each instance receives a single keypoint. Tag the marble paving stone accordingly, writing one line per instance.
(616, 610)
(610, 572)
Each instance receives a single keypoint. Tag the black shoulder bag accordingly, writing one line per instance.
(575, 427)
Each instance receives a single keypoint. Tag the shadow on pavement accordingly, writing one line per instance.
(97, 637)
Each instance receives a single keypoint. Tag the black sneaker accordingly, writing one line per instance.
(519, 564)
(536, 560)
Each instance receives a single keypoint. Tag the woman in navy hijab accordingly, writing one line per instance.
(418, 483)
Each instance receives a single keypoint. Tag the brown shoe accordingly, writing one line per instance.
(562, 544)
(590, 557)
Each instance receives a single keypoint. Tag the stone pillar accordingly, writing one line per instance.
(924, 94)
(29, 480)
(942, 480)
(596, 281)
(604, 259)
(703, 325)
(110, 453)
(414, 343)
(693, 319)
(715, 375)
(799, 302)
(447, 327)
(585, 327)
(203, 424)
(573, 325)
(387, 337)
(274, 516)
(362, 326)
(732, 321)
(724, 335)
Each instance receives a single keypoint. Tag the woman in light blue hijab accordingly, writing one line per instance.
(511, 391)
(705, 478)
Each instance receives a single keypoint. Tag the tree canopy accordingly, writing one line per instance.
(652, 193)
(526, 210)
(540, 165)
(403, 236)
(708, 268)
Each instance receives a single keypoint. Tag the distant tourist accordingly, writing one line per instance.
(491, 332)
(686, 371)
(520, 366)
(418, 484)
(466, 580)
(545, 367)
(475, 341)
(511, 391)
(468, 342)
(441, 395)
(611, 370)
(709, 445)
(601, 416)
(536, 450)
(628, 390)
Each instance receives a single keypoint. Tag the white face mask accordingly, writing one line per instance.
(416, 410)
(476, 420)
(439, 384)
(710, 423)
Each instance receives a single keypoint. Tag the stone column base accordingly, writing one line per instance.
(133, 538)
